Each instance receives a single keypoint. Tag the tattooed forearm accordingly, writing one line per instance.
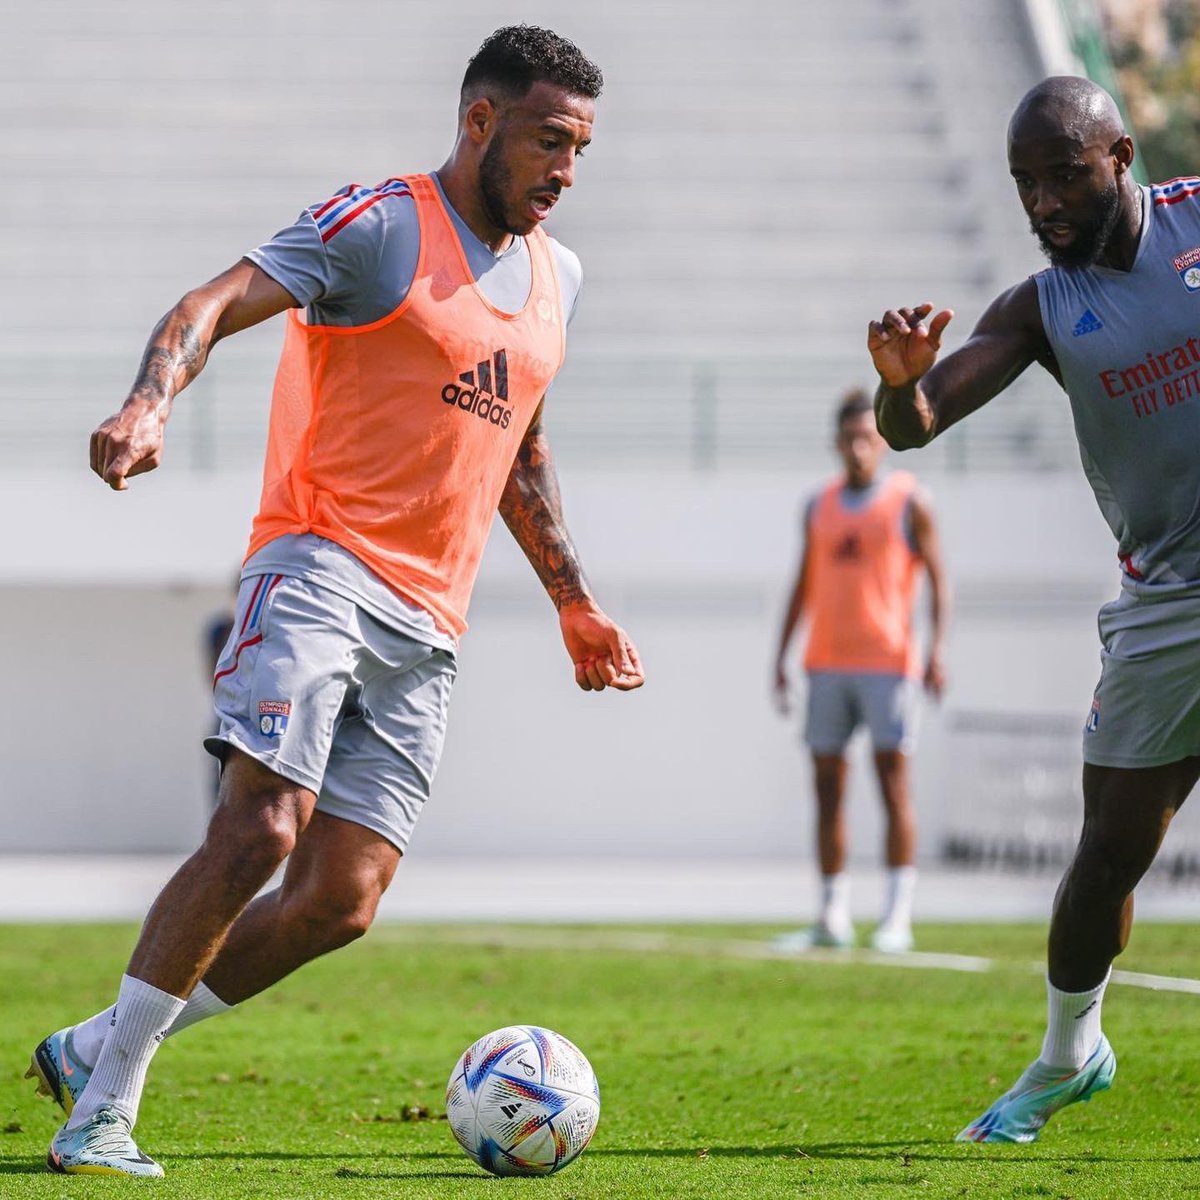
(532, 510)
(175, 356)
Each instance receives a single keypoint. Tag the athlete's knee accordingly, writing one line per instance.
(335, 916)
(1108, 868)
(828, 772)
(829, 804)
(344, 925)
(258, 821)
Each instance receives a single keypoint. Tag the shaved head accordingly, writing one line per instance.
(1066, 106)
(1069, 156)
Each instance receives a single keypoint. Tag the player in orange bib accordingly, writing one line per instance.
(427, 319)
(867, 536)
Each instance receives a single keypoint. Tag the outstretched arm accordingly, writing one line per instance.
(929, 551)
(791, 619)
(603, 654)
(131, 442)
(919, 397)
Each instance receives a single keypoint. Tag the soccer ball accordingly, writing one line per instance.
(523, 1101)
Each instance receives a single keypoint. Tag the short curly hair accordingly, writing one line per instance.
(516, 57)
(854, 403)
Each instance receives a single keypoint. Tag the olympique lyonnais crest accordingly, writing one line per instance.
(1093, 720)
(1188, 266)
(273, 717)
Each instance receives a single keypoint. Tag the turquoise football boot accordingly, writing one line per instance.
(1020, 1113)
(821, 935)
(59, 1072)
(102, 1145)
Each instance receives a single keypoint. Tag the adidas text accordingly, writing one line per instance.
(472, 400)
(485, 391)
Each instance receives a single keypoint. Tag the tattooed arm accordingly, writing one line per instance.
(131, 442)
(602, 652)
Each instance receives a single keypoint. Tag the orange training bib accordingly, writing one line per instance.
(861, 584)
(395, 439)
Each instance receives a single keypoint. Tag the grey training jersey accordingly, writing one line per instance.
(351, 259)
(1128, 346)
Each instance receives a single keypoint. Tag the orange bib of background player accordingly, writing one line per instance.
(395, 439)
(862, 582)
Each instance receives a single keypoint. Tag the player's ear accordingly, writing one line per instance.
(479, 119)
(1122, 152)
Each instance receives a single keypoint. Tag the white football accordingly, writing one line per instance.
(523, 1101)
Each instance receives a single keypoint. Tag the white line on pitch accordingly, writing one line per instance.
(1157, 983)
(701, 947)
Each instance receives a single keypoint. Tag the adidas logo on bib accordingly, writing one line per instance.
(1088, 323)
(485, 392)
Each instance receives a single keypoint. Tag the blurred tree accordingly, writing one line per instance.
(1155, 47)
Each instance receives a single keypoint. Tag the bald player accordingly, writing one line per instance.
(407, 410)
(1116, 320)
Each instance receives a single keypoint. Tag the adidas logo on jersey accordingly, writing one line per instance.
(486, 391)
(849, 549)
(1088, 323)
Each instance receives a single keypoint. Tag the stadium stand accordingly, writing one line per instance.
(762, 182)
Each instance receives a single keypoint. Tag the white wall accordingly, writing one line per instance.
(103, 598)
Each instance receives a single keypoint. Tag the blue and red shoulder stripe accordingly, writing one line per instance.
(1175, 190)
(352, 201)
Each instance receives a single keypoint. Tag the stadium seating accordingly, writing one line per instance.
(763, 180)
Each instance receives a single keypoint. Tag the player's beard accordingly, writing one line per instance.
(495, 182)
(1090, 238)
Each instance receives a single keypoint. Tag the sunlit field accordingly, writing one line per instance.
(722, 1074)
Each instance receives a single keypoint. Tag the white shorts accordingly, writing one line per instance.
(1146, 708)
(322, 693)
(840, 701)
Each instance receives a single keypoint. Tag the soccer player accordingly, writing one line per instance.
(1114, 320)
(867, 535)
(407, 409)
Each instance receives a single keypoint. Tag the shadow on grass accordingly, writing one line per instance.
(930, 1150)
(913, 1151)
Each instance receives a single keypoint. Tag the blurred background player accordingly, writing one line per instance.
(1113, 319)
(407, 411)
(867, 535)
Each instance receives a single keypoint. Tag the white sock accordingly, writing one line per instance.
(202, 1004)
(142, 1016)
(897, 909)
(1072, 1026)
(87, 1038)
(835, 900)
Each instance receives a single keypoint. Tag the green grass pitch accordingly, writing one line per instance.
(720, 1076)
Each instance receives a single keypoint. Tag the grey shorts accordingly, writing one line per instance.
(1146, 708)
(327, 696)
(840, 701)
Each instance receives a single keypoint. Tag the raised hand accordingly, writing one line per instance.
(902, 346)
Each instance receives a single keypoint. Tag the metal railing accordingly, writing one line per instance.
(645, 411)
